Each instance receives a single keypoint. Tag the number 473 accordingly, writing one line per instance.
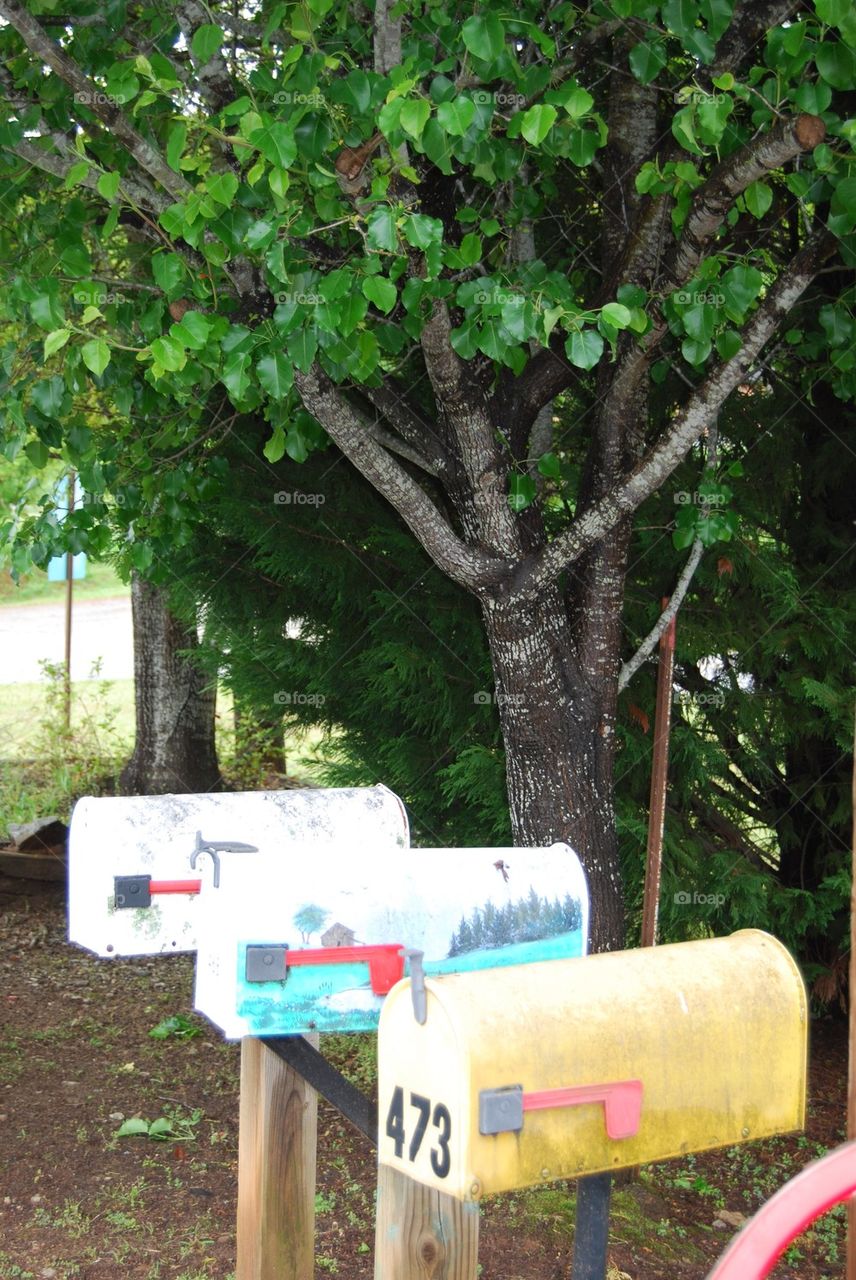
(440, 1156)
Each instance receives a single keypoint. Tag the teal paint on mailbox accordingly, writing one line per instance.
(463, 909)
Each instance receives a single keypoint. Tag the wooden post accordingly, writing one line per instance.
(422, 1234)
(276, 1168)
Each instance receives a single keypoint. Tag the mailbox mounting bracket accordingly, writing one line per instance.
(305, 1059)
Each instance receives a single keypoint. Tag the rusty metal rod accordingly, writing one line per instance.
(659, 783)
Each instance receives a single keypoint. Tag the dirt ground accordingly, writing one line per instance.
(76, 1200)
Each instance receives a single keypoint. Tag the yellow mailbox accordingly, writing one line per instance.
(567, 1067)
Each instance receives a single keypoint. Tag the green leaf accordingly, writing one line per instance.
(414, 116)
(837, 64)
(169, 353)
(275, 447)
(548, 465)
(833, 11)
(222, 187)
(470, 250)
(420, 230)
(108, 185)
(38, 453)
(275, 375)
(161, 1128)
(192, 330)
(46, 311)
(740, 287)
(694, 352)
(168, 271)
(456, 117)
(56, 339)
(236, 374)
(647, 60)
(537, 122)
(728, 343)
(176, 139)
(683, 129)
(616, 314)
(484, 36)
(584, 347)
(47, 395)
(207, 40)
(142, 558)
(521, 491)
(276, 143)
(813, 98)
(758, 197)
(135, 1127)
(76, 174)
(95, 355)
(577, 101)
(302, 345)
(582, 146)
(381, 292)
(381, 232)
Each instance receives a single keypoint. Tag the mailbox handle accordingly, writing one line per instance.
(175, 886)
(385, 961)
(622, 1103)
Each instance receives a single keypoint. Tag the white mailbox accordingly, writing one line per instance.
(140, 867)
(312, 941)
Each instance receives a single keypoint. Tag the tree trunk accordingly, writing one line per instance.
(560, 748)
(174, 750)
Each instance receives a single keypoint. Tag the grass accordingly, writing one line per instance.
(101, 582)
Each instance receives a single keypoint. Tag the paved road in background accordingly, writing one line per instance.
(101, 629)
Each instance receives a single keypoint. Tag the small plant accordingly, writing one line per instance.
(172, 1127)
(176, 1027)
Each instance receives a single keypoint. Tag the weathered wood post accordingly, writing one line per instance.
(421, 1233)
(276, 1168)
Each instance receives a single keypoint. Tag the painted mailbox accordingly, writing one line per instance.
(554, 1070)
(314, 941)
(140, 867)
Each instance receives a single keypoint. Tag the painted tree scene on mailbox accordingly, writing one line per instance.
(314, 941)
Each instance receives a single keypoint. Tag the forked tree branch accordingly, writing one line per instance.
(535, 571)
(471, 568)
(146, 156)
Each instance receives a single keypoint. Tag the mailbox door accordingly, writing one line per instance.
(464, 909)
(150, 840)
(676, 1049)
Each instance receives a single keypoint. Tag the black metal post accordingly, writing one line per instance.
(592, 1227)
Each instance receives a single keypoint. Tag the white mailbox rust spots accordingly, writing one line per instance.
(573, 1067)
(165, 851)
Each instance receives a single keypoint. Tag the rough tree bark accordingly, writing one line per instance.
(174, 705)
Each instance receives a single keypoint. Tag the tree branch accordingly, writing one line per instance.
(649, 644)
(786, 139)
(471, 568)
(535, 571)
(750, 21)
(147, 157)
(413, 429)
(465, 409)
